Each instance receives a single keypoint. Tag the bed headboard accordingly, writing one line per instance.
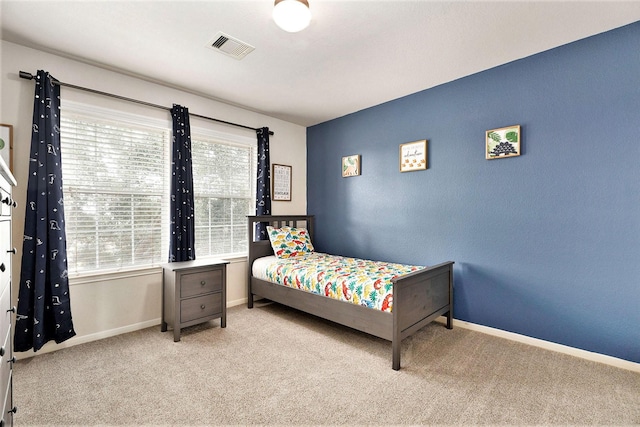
(260, 248)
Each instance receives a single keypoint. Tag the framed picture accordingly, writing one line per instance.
(281, 183)
(351, 165)
(6, 144)
(503, 142)
(413, 156)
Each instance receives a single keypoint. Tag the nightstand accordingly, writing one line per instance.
(193, 292)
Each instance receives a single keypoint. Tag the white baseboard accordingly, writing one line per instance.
(583, 354)
(52, 346)
(236, 302)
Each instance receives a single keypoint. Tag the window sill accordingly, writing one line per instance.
(102, 276)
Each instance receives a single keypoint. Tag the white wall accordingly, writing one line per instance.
(107, 305)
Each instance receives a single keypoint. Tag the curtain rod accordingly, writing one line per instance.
(29, 76)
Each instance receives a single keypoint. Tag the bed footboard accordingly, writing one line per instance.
(418, 299)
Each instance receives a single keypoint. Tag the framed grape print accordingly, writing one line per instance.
(502, 143)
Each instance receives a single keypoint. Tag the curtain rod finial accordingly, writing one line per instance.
(25, 75)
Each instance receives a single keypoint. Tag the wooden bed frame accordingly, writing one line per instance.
(418, 297)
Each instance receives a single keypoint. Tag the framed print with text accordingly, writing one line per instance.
(281, 183)
(413, 156)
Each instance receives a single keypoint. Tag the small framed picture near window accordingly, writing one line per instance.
(503, 142)
(351, 165)
(413, 156)
(281, 183)
(6, 144)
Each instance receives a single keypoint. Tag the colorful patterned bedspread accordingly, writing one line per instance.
(353, 280)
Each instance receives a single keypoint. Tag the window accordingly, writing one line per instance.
(223, 181)
(116, 190)
(115, 180)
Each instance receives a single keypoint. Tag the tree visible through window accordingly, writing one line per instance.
(116, 189)
(115, 180)
(223, 176)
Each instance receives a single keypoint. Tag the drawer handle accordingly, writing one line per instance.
(7, 201)
(203, 306)
(2, 267)
(12, 309)
(2, 351)
(12, 251)
(12, 360)
(14, 410)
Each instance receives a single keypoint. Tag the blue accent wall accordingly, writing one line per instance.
(546, 244)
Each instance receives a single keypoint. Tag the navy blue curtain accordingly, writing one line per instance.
(182, 229)
(44, 309)
(263, 182)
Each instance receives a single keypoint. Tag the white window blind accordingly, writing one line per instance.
(224, 194)
(115, 193)
(117, 184)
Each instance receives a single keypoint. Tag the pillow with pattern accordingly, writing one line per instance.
(289, 242)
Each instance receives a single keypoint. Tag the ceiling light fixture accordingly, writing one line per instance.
(292, 15)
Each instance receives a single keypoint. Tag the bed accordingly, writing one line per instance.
(419, 297)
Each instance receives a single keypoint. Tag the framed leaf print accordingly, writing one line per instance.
(503, 142)
(351, 165)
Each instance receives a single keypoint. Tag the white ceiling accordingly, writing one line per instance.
(355, 54)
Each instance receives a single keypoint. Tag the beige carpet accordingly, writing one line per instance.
(273, 365)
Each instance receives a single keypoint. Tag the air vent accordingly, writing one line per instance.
(231, 46)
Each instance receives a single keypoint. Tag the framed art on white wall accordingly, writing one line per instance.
(6, 144)
(281, 183)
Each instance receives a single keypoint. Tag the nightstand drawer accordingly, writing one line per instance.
(204, 306)
(192, 284)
